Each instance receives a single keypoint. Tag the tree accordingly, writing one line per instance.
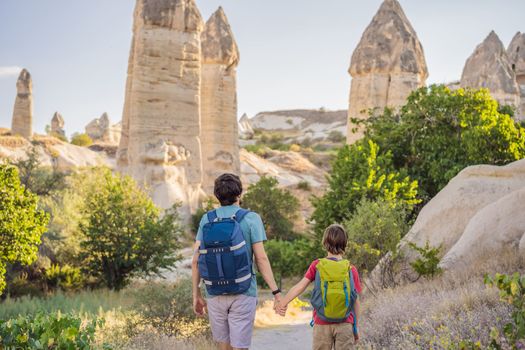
(440, 132)
(288, 258)
(277, 207)
(360, 172)
(125, 235)
(82, 140)
(22, 223)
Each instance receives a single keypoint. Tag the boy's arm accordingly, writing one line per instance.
(295, 291)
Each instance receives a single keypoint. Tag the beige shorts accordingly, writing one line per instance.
(231, 319)
(337, 336)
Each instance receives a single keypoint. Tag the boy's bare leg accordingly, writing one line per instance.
(225, 346)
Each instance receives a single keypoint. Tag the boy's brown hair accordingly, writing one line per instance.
(335, 239)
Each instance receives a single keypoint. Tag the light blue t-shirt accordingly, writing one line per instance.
(252, 229)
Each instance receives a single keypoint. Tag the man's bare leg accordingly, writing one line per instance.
(225, 346)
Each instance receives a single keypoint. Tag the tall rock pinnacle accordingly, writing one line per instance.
(160, 143)
(57, 125)
(386, 66)
(489, 67)
(516, 54)
(22, 123)
(220, 56)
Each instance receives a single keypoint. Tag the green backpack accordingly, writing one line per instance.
(334, 294)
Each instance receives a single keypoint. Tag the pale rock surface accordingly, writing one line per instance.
(386, 66)
(444, 219)
(521, 246)
(495, 227)
(22, 123)
(516, 53)
(160, 145)
(246, 131)
(57, 125)
(219, 128)
(489, 67)
(101, 130)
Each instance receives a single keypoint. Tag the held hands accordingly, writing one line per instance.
(199, 305)
(279, 305)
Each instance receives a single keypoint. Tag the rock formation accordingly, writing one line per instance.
(22, 123)
(160, 145)
(246, 131)
(387, 65)
(57, 125)
(489, 67)
(516, 53)
(101, 130)
(219, 129)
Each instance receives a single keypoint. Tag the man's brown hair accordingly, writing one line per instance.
(227, 189)
(335, 239)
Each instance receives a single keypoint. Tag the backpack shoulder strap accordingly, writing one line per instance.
(212, 215)
(240, 214)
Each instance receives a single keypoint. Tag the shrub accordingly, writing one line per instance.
(288, 259)
(361, 171)
(375, 228)
(512, 291)
(52, 331)
(295, 148)
(304, 185)
(64, 277)
(124, 235)
(82, 140)
(336, 136)
(206, 206)
(426, 264)
(440, 132)
(21, 222)
(277, 207)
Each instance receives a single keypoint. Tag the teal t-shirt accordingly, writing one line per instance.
(252, 229)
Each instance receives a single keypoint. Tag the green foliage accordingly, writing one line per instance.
(21, 222)
(426, 264)
(277, 207)
(288, 258)
(304, 185)
(359, 172)
(259, 149)
(512, 291)
(64, 277)
(52, 331)
(336, 136)
(273, 141)
(209, 204)
(82, 140)
(124, 234)
(374, 229)
(440, 132)
(41, 180)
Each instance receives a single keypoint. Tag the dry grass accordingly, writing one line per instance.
(438, 314)
(12, 141)
(47, 140)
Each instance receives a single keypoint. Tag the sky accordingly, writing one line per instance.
(294, 53)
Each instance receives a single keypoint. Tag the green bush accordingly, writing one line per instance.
(375, 228)
(82, 140)
(426, 264)
(304, 185)
(64, 277)
(440, 132)
(22, 223)
(288, 258)
(52, 331)
(361, 171)
(124, 234)
(277, 207)
(512, 291)
(336, 136)
(207, 205)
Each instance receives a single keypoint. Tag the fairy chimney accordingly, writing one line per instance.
(219, 141)
(22, 123)
(516, 54)
(386, 66)
(57, 125)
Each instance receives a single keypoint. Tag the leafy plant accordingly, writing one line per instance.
(82, 140)
(124, 234)
(209, 204)
(277, 207)
(336, 136)
(427, 264)
(512, 291)
(51, 331)
(304, 185)
(21, 222)
(288, 258)
(64, 277)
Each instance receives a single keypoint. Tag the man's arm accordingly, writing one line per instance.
(263, 265)
(199, 304)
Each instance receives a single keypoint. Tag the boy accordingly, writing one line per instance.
(330, 334)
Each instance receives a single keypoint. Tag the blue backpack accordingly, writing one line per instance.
(224, 263)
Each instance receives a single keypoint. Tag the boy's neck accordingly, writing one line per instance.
(334, 256)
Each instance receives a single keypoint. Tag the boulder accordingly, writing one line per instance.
(22, 123)
(489, 67)
(516, 53)
(386, 66)
(57, 125)
(219, 128)
(162, 103)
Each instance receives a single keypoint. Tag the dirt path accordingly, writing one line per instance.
(298, 336)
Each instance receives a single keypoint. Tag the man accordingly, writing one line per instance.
(232, 316)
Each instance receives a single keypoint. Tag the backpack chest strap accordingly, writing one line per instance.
(222, 250)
